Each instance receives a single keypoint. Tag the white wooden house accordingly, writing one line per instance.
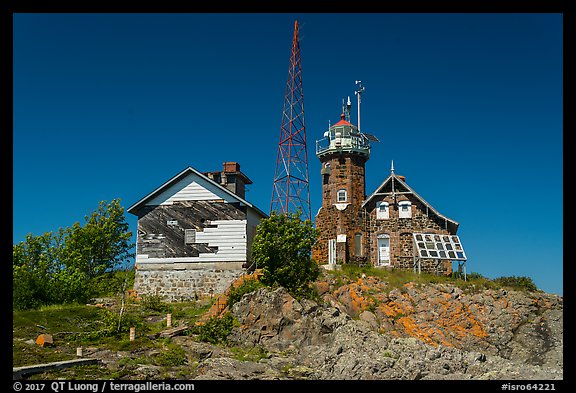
(194, 233)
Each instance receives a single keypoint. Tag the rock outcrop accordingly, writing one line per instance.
(364, 331)
(522, 326)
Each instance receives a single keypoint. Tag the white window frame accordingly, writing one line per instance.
(341, 191)
(382, 214)
(404, 213)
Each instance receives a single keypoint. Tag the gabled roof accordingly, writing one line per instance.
(394, 178)
(132, 209)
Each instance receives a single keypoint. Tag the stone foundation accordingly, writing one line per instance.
(185, 281)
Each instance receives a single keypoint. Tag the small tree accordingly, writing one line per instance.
(35, 262)
(67, 266)
(101, 244)
(282, 248)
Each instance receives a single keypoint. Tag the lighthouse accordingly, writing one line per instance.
(343, 152)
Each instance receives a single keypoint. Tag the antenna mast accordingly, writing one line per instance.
(290, 191)
(359, 93)
(346, 109)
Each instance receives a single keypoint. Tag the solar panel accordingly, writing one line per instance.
(371, 137)
(430, 245)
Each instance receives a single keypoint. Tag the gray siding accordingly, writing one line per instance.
(220, 232)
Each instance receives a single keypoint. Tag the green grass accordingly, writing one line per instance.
(397, 278)
(54, 319)
(188, 310)
(81, 325)
(58, 321)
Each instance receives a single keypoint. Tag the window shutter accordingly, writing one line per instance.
(189, 236)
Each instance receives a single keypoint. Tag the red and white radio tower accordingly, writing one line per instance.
(291, 192)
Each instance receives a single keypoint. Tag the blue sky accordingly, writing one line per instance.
(469, 107)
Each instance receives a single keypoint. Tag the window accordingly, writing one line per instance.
(325, 172)
(342, 196)
(358, 244)
(382, 211)
(405, 209)
(189, 236)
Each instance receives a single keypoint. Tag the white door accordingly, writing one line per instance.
(332, 251)
(384, 251)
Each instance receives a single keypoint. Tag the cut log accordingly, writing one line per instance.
(19, 372)
(174, 331)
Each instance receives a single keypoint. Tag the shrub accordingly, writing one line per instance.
(154, 303)
(216, 329)
(112, 283)
(113, 325)
(236, 294)
(521, 283)
(282, 248)
(475, 276)
(174, 356)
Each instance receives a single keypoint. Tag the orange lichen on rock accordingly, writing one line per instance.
(359, 302)
(414, 329)
(459, 321)
(436, 334)
(435, 315)
(406, 302)
(322, 287)
(391, 309)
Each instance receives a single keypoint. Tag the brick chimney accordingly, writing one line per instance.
(231, 178)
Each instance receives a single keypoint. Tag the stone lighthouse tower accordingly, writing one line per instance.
(341, 221)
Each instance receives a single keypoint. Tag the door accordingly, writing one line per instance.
(332, 251)
(383, 250)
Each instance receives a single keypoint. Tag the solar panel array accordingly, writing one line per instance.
(435, 246)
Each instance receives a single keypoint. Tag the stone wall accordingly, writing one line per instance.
(400, 231)
(335, 218)
(332, 222)
(345, 172)
(185, 281)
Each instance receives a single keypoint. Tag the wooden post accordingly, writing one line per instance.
(132, 333)
(168, 320)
